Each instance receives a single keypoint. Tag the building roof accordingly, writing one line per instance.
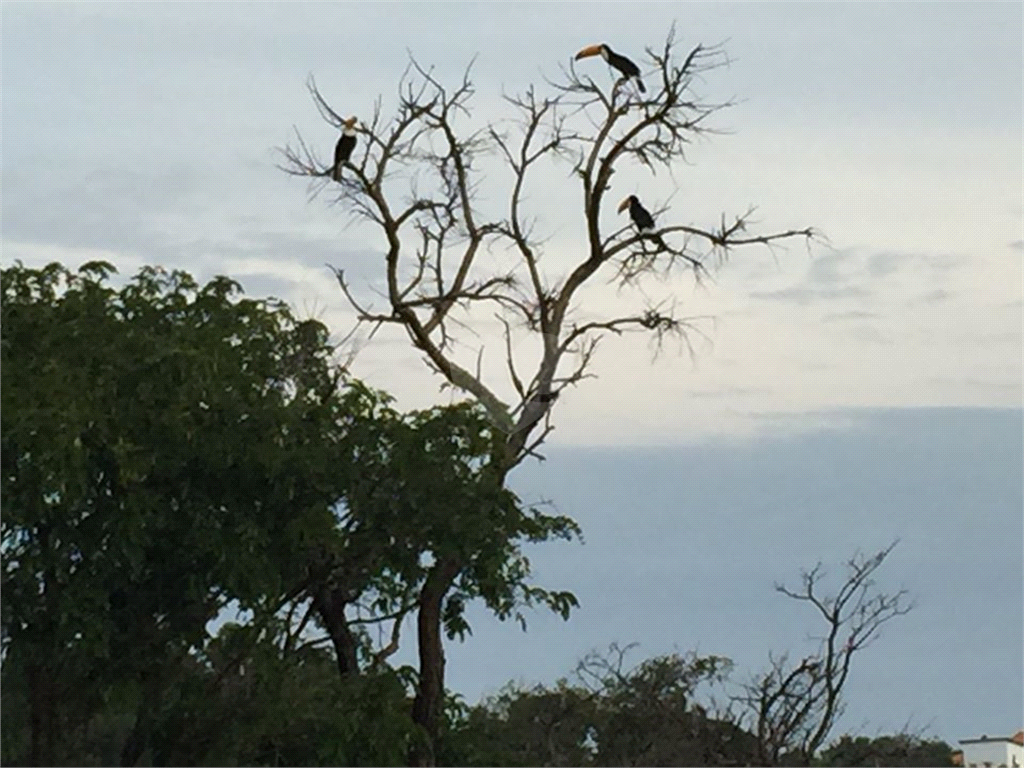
(1017, 738)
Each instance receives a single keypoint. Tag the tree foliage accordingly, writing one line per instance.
(240, 701)
(607, 714)
(904, 749)
(163, 454)
(172, 451)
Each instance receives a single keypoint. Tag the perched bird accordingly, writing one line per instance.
(344, 147)
(618, 61)
(641, 218)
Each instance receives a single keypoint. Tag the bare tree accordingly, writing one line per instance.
(415, 177)
(792, 707)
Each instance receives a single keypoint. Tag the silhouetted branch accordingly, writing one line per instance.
(415, 177)
(792, 707)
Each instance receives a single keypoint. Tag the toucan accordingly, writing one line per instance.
(620, 62)
(344, 147)
(642, 219)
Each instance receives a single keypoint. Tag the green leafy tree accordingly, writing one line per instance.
(539, 725)
(427, 531)
(170, 450)
(609, 714)
(249, 702)
(901, 749)
(654, 713)
(167, 449)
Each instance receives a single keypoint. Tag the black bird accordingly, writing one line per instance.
(642, 219)
(620, 62)
(344, 147)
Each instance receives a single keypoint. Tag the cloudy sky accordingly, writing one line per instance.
(840, 397)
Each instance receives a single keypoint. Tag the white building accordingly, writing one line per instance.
(993, 751)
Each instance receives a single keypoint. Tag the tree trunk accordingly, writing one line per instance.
(330, 604)
(429, 701)
(152, 691)
(41, 715)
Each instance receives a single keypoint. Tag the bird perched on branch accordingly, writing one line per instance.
(642, 219)
(343, 149)
(616, 60)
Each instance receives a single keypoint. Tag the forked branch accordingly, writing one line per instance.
(415, 178)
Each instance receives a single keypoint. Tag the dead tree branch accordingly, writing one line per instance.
(415, 177)
(792, 707)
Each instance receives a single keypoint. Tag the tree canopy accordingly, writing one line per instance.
(173, 454)
(906, 748)
(212, 536)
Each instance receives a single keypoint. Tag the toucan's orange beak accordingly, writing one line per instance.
(350, 123)
(590, 50)
(624, 205)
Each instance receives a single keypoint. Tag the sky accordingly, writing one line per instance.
(837, 397)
